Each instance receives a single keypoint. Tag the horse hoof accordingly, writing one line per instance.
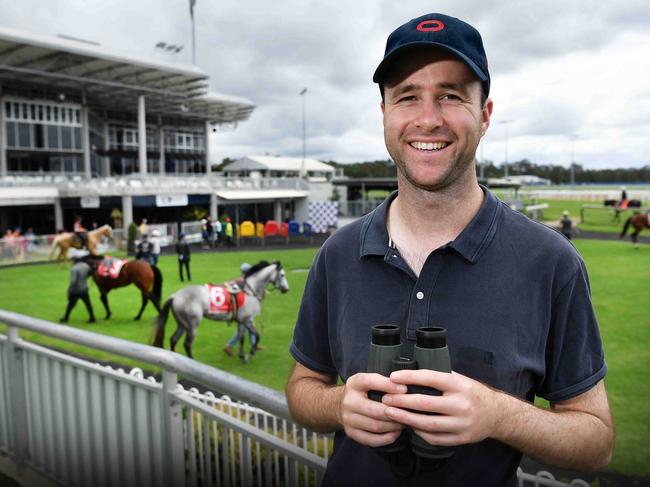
(245, 359)
(137, 318)
(228, 350)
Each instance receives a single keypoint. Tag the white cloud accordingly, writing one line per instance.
(558, 68)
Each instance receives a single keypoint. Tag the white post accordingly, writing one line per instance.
(208, 169)
(161, 144)
(3, 139)
(85, 136)
(214, 207)
(142, 136)
(58, 215)
(127, 211)
(107, 145)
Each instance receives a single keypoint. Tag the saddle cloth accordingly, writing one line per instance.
(110, 267)
(220, 300)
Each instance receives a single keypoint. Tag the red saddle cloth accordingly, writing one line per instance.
(220, 299)
(110, 267)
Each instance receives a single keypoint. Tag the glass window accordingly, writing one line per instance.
(7, 109)
(55, 164)
(66, 137)
(24, 135)
(68, 164)
(16, 113)
(32, 111)
(77, 137)
(55, 114)
(39, 136)
(40, 113)
(53, 137)
(24, 114)
(76, 116)
(48, 113)
(11, 134)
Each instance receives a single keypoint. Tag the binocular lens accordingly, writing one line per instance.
(385, 335)
(431, 337)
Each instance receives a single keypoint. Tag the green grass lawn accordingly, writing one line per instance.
(620, 286)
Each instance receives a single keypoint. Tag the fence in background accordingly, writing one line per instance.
(81, 423)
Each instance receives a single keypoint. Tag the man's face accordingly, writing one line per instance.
(433, 119)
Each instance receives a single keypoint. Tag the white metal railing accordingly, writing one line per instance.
(81, 423)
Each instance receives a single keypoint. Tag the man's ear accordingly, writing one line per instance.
(486, 114)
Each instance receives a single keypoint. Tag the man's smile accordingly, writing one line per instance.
(428, 146)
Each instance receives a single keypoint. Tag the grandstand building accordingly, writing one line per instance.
(87, 131)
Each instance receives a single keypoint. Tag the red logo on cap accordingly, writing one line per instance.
(430, 26)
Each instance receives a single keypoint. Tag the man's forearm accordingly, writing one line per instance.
(564, 438)
(315, 404)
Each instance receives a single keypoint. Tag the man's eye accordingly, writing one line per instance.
(406, 98)
(451, 97)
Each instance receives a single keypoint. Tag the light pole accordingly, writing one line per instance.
(573, 138)
(304, 146)
(505, 126)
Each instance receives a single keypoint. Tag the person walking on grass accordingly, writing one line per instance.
(78, 289)
(183, 252)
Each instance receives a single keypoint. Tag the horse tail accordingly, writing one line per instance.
(159, 337)
(157, 282)
(627, 224)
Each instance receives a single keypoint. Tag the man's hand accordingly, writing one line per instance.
(363, 419)
(467, 411)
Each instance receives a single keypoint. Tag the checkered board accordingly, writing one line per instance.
(323, 214)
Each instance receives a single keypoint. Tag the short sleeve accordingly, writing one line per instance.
(311, 346)
(575, 360)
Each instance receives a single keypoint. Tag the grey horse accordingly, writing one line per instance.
(192, 303)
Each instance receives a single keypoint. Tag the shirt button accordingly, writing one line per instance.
(419, 295)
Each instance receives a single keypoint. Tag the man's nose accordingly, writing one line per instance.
(429, 116)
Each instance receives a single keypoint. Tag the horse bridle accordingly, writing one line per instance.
(276, 282)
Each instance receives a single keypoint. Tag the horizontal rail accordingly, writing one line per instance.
(268, 399)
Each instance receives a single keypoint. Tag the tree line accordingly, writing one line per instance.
(555, 173)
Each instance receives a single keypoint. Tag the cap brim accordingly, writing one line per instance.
(380, 72)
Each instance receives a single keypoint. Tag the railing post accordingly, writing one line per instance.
(173, 428)
(18, 398)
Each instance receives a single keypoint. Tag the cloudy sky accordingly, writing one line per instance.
(559, 69)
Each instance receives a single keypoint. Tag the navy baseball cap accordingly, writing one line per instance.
(437, 30)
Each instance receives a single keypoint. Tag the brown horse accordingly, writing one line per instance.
(146, 277)
(66, 240)
(639, 221)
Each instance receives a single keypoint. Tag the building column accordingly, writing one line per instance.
(3, 140)
(214, 207)
(161, 145)
(85, 137)
(277, 211)
(142, 136)
(127, 211)
(208, 169)
(58, 215)
(106, 160)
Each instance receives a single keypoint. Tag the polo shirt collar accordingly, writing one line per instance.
(471, 243)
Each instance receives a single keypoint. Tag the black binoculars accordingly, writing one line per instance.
(430, 352)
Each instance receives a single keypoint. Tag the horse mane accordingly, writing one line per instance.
(257, 267)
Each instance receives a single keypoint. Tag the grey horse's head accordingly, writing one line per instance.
(280, 278)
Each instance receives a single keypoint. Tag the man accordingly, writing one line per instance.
(240, 283)
(80, 231)
(144, 249)
(78, 289)
(443, 251)
(183, 251)
(566, 225)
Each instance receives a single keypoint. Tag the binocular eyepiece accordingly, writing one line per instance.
(430, 352)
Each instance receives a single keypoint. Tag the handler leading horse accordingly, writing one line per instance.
(639, 221)
(190, 304)
(66, 240)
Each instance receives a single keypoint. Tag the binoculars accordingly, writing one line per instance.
(430, 352)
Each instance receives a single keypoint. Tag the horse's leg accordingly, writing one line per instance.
(635, 237)
(145, 300)
(104, 298)
(189, 338)
(176, 336)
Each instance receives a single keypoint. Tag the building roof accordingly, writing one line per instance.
(272, 163)
(112, 80)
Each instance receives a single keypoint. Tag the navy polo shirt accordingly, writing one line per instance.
(513, 295)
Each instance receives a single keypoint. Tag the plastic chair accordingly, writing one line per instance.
(284, 229)
(259, 229)
(271, 228)
(294, 228)
(306, 229)
(247, 229)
